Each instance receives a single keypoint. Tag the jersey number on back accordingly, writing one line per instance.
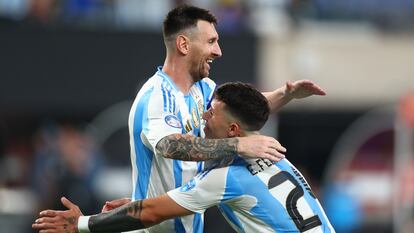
(292, 198)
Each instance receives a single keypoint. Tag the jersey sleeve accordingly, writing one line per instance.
(161, 118)
(203, 191)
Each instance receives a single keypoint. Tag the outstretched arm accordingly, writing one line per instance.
(132, 216)
(296, 90)
(191, 148)
(110, 205)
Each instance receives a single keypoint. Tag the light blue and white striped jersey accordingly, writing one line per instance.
(159, 110)
(256, 195)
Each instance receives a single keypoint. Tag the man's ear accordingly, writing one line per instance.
(233, 130)
(182, 43)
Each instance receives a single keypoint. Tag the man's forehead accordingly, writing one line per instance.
(216, 104)
(207, 28)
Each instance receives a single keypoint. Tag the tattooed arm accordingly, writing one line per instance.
(137, 215)
(190, 148)
(133, 216)
(125, 218)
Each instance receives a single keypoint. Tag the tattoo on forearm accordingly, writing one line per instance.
(191, 148)
(124, 218)
(135, 210)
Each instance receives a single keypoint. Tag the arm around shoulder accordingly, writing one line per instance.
(191, 148)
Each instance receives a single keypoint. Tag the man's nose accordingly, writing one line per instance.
(217, 51)
(205, 116)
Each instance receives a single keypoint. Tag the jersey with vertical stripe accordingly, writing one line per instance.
(161, 109)
(256, 195)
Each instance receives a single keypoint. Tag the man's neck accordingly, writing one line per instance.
(245, 133)
(179, 74)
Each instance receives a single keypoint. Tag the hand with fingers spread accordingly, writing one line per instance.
(292, 90)
(302, 89)
(55, 221)
(110, 205)
(259, 146)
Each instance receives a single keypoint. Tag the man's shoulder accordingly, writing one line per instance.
(156, 83)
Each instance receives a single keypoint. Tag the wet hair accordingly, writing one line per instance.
(245, 103)
(184, 17)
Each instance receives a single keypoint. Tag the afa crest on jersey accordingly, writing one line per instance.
(173, 121)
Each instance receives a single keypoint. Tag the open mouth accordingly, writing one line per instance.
(209, 61)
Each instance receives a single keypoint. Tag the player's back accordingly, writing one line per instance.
(263, 197)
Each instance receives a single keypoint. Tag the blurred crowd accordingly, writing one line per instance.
(118, 14)
(53, 155)
(37, 168)
(233, 15)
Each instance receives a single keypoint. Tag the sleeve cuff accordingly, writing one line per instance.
(83, 224)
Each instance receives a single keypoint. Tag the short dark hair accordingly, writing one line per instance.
(245, 103)
(183, 17)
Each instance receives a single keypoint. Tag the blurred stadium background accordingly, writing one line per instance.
(69, 70)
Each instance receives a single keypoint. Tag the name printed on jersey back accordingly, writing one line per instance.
(258, 165)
